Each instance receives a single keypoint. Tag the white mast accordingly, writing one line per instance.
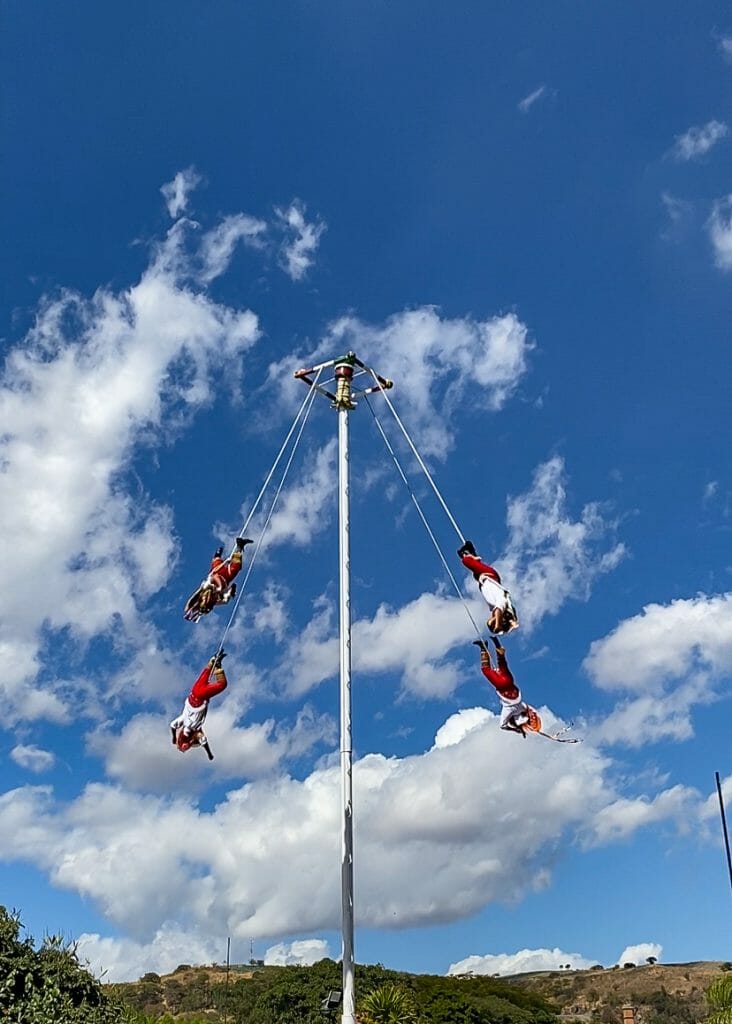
(344, 404)
(342, 401)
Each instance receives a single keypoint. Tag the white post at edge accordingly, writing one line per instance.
(348, 1015)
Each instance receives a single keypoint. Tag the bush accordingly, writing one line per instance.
(48, 985)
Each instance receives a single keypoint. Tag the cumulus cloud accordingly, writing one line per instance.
(303, 952)
(698, 140)
(668, 659)
(443, 360)
(521, 962)
(725, 45)
(94, 379)
(720, 232)
(33, 758)
(263, 862)
(123, 959)
(664, 643)
(639, 953)
(177, 191)
(551, 557)
(297, 252)
(527, 960)
(527, 102)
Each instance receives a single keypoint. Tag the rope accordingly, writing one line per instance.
(419, 459)
(424, 521)
(265, 485)
(309, 398)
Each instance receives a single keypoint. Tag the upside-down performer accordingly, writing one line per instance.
(503, 617)
(187, 729)
(516, 714)
(219, 586)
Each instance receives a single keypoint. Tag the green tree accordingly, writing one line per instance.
(719, 998)
(390, 1003)
(49, 985)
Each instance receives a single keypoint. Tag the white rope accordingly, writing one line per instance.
(419, 459)
(307, 406)
(265, 485)
(424, 521)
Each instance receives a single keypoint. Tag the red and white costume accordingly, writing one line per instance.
(489, 582)
(513, 708)
(222, 574)
(190, 720)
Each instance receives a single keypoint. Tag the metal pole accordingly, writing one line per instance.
(226, 986)
(724, 826)
(348, 1014)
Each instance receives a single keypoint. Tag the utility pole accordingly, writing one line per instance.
(345, 368)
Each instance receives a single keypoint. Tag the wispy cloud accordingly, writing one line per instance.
(297, 252)
(697, 141)
(528, 102)
(725, 45)
(177, 191)
(720, 232)
(33, 758)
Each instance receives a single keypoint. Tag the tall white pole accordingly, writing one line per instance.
(348, 1015)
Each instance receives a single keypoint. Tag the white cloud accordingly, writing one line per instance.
(220, 871)
(304, 508)
(527, 102)
(303, 237)
(123, 959)
(725, 45)
(443, 360)
(664, 643)
(527, 960)
(521, 962)
(624, 817)
(667, 659)
(698, 140)
(710, 489)
(720, 232)
(177, 191)
(639, 953)
(91, 382)
(303, 951)
(550, 557)
(32, 758)
(218, 245)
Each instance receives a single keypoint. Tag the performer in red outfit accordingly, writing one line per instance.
(503, 617)
(187, 728)
(218, 587)
(516, 714)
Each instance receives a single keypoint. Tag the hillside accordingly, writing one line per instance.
(662, 993)
(293, 995)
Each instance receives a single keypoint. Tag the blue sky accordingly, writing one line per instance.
(523, 217)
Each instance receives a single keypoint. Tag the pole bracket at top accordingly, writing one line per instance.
(346, 369)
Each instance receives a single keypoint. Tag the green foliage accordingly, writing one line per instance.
(389, 1003)
(719, 998)
(49, 985)
(293, 995)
